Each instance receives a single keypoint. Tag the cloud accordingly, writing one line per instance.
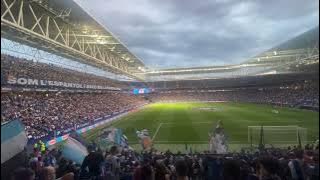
(175, 33)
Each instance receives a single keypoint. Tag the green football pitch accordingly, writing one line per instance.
(177, 124)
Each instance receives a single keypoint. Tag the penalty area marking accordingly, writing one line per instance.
(155, 134)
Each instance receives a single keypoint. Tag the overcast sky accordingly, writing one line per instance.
(184, 33)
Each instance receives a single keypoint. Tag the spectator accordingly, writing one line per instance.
(161, 171)
(68, 176)
(231, 170)
(182, 170)
(297, 166)
(114, 164)
(48, 173)
(23, 174)
(268, 168)
(93, 162)
(144, 172)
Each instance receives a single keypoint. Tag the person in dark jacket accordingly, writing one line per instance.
(268, 169)
(231, 170)
(93, 162)
(182, 170)
(23, 173)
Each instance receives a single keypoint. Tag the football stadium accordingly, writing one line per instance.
(159, 90)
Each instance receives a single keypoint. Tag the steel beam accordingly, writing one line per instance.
(24, 21)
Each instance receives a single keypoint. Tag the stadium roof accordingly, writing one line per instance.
(299, 51)
(69, 29)
(63, 28)
(91, 27)
(170, 34)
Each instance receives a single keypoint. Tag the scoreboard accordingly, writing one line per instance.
(141, 91)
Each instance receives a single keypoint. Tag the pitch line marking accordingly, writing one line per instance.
(155, 134)
(190, 123)
(232, 142)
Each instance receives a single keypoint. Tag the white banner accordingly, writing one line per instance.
(40, 82)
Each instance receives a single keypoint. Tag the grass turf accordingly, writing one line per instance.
(189, 123)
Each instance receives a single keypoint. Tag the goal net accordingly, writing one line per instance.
(277, 135)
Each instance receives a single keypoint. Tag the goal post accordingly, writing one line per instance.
(277, 135)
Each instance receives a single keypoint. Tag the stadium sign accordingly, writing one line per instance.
(40, 82)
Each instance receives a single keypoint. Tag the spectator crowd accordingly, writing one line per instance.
(52, 112)
(56, 112)
(295, 94)
(123, 164)
(18, 67)
(45, 112)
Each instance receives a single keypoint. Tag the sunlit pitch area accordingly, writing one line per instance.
(176, 124)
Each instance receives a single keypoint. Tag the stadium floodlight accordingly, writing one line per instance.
(100, 41)
(141, 69)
